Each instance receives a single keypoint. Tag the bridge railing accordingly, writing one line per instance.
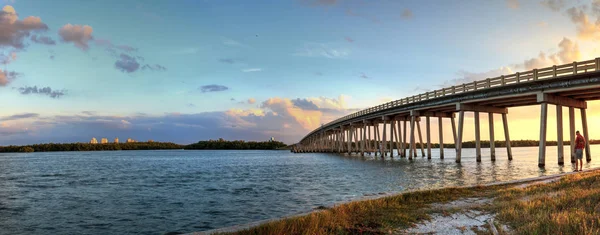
(519, 77)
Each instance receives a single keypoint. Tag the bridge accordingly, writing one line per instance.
(366, 131)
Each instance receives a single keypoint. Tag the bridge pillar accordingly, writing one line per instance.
(588, 156)
(405, 140)
(477, 137)
(392, 130)
(543, 128)
(399, 143)
(420, 139)
(461, 126)
(492, 139)
(572, 134)
(350, 139)
(377, 139)
(412, 139)
(454, 135)
(506, 136)
(441, 137)
(559, 135)
(363, 139)
(383, 146)
(428, 136)
(369, 141)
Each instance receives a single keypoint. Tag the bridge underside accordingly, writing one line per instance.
(381, 131)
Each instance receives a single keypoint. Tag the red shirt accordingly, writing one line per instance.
(579, 142)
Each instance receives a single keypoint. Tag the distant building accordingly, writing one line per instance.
(104, 141)
(93, 141)
(117, 140)
(150, 141)
(272, 139)
(130, 140)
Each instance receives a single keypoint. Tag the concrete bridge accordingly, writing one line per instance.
(569, 85)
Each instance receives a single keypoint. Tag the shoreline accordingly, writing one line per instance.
(527, 181)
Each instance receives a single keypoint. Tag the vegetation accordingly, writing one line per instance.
(26, 149)
(235, 144)
(52, 147)
(569, 206)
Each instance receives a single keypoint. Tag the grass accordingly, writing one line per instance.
(568, 206)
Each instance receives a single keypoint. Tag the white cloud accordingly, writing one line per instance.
(251, 70)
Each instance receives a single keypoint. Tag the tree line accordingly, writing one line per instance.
(55, 147)
(235, 144)
(207, 144)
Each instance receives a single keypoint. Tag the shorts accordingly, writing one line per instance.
(579, 153)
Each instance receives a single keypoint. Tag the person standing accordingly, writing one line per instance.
(579, 145)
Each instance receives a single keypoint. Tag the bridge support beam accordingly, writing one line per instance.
(420, 139)
(428, 136)
(441, 137)
(363, 134)
(398, 136)
(588, 156)
(461, 126)
(572, 134)
(506, 136)
(383, 150)
(377, 139)
(477, 137)
(543, 128)
(412, 138)
(404, 139)
(392, 131)
(454, 136)
(559, 135)
(492, 139)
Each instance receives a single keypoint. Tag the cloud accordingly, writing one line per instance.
(466, 77)
(13, 31)
(20, 116)
(41, 91)
(43, 40)
(187, 51)
(109, 45)
(127, 64)
(568, 52)
(349, 39)
(227, 61)
(555, 5)
(191, 105)
(305, 104)
(251, 70)
(213, 88)
(8, 58)
(512, 4)
(586, 29)
(406, 14)
(79, 35)
(542, 24)
(364, 76)
(155, 67)
(322, 50)
(251, 101)
(318, 74)
(232, 43)
(7, 77)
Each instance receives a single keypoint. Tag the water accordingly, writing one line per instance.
(155, 192)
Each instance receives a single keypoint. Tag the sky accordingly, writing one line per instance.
(190, 70)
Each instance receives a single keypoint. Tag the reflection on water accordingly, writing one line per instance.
(184, 191)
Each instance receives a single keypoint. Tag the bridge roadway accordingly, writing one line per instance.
(569, 85)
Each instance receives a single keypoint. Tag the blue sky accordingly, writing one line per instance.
(189, 70)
